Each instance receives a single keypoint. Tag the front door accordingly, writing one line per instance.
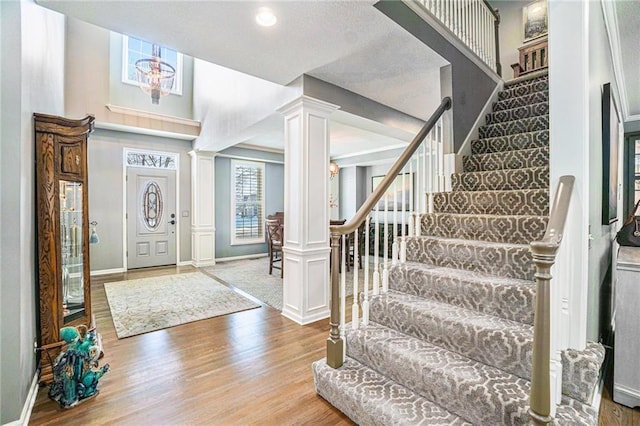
(151, 217)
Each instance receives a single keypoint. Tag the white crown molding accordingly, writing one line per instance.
(143, 131)
(613, 32)
(244, 145)
(371, 151)
(153, 116)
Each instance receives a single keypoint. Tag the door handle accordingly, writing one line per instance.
(173, 222)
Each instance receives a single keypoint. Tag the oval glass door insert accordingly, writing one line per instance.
(151, 206)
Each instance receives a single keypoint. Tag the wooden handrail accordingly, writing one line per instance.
(335, 345)
(544, 256)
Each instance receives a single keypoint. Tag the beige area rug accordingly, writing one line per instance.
(149, 304)
(252, 276)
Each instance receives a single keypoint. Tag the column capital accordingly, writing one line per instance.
(199, 153)
(304, 101)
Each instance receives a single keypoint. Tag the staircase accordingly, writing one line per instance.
(451, 341)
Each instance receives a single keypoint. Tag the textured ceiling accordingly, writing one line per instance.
(628, 16)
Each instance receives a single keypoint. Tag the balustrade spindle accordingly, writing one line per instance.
(426, 172)
(394, 246)
(411, 231)
(365, 302)
(376, 254)
(343, 294)
(403, 243)
(385, 248)
(355, 309)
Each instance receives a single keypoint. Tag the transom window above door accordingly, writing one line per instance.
(134, 49)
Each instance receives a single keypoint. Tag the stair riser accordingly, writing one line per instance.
(508, 349)
(512, 127)
(539, 139)
(511, 262)
(537, 157)
(508, 85)
(509, 301)
(537, 86)
(370, 399)
(501, 180)
(451, 381)
(518, 113)
(522, 202)
(497, 229)
(510, 103)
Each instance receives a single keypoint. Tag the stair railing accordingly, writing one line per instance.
(544, 256)
(474, 22)
(429, 164)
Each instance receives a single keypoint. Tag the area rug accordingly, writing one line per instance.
(252, 276)
(149, 304)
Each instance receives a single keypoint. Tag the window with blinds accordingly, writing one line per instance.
(247, 202)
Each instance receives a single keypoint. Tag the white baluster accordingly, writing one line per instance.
(376, 255)
(365, 302)
(394, 246)
(441, 157)
(355, 310)
(385, 247)
(343, 293)
(411, 231)
(477, 24)
(403, 243)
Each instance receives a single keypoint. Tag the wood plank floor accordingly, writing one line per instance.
(251, 367)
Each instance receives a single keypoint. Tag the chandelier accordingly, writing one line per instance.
(155, 76)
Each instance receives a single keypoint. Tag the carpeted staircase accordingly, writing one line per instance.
(451, 342)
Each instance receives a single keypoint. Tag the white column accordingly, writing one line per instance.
(306, 206)
(203, 231)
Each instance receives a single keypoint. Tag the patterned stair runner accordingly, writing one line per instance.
(451, 341)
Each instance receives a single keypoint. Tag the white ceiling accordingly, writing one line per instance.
(346, 42)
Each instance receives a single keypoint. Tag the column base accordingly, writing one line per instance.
(306, 287)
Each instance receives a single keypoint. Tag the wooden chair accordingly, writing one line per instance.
(275, 239)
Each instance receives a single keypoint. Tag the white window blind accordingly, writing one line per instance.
(247, 196)
(134, 49)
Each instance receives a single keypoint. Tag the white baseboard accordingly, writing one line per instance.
(185, 263)
(248, 256)
(107, 271)
(597, 395)
(28, 404)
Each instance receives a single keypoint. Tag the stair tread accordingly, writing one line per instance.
(508, 122)
(470, 389)
(361, 389)
(507, 152)
(518, 107)
(510, 298)
(487, 216)
(472, 242)
(531, 76)
(505, 171)
(480, 277)
(492, 138)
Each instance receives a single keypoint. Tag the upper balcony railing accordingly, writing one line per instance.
(474, 22)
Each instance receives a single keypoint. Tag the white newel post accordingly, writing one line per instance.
(306, 206)
(203, 231)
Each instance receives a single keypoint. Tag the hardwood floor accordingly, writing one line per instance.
(251, 367)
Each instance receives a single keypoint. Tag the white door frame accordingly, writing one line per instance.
(125, 152)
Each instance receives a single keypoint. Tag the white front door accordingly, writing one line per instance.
(151, 217)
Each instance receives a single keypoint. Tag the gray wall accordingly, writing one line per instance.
(32, 78)
(105, 151)
(471, 86)
(273, 195)
(600, 253)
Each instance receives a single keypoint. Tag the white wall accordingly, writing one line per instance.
(105, 159)
(32, 81)
(511, 34)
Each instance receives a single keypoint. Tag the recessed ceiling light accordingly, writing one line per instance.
(265, 17)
